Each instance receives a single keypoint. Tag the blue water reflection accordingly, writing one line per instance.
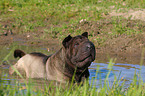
(120, 71)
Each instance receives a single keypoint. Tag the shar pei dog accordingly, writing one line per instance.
(73, 59)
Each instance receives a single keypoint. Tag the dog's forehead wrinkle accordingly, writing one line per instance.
(79, 39)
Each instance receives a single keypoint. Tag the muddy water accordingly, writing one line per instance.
(123, 71)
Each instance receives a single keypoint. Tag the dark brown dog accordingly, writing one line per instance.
(73, 59)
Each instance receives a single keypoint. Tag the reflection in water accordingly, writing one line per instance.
(125, 72)
(101, 74)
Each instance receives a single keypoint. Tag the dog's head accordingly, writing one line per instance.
(79, 50)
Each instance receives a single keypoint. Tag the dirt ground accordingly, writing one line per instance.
(126, 48)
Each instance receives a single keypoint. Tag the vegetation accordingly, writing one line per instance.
(29, 88)
(59, 18)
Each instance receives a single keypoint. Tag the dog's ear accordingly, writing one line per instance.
(66, 41)
(85, 34)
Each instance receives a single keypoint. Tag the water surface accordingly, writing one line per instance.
(123, 71)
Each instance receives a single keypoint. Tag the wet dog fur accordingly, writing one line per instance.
(73, 58)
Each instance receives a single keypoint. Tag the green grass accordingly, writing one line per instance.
(58, 18)
(20, 86)
(32, 15)
(29, 88)
(55, 19)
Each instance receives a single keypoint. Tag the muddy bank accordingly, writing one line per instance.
(125, 50)
(113, 37)
(28, 40)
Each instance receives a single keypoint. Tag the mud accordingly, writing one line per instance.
(119, 44)
(28, 40)
(126, 48)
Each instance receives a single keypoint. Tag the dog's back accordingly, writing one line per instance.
(33, 64)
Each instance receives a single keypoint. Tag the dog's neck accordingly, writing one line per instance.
(77, 73)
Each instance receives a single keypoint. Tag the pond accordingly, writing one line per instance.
(121, 71)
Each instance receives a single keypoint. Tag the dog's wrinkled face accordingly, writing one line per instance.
(79, 50)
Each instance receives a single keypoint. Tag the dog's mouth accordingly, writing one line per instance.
(85, 62)
(85, 58)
